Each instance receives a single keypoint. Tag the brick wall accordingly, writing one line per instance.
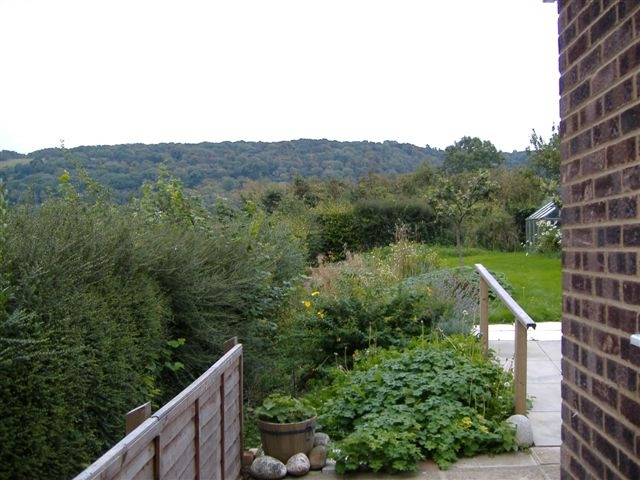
(599, 60)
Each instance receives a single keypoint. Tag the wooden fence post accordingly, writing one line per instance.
(136, 416)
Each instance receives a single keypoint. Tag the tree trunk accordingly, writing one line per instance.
(459, 243)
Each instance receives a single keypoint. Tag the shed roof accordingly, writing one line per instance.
(549, 210)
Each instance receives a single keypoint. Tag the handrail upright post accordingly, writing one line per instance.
(520, 369)
(484, 316)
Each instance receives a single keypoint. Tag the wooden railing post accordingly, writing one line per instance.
(484, 315)
(523, 321)
(520, 369)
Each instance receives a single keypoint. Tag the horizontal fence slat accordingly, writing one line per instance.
(220, 367)
(107, 466)
(171, 452)
(136, 464)
(146, 473)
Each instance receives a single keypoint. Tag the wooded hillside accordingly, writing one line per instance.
(207, 168)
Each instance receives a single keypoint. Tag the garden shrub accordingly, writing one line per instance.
(548, 237)
(336, 229)
(115, 306)
(438, 399)
(94, 325)
(496, 230)
(366, 301)
(380, 219)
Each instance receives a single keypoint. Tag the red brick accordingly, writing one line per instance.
(576, 469)
(570, 216)
(630, 119)
(579, 94)
(570, 350)
(631, 178)
(629, 60)
(604, 24)
(581, 427)
(622, 319)
(570, 396)
(581, 191)
(606, 342)
(623, 208)
(593, 461)
(622, 152)
(593, 262)
(605, 77)
(578, 48)
(604, 393)
(594, 162)
(608, 288)
(592, 362)
(608, 185)
(591, 62)
(618, 432)
(582, 237)
(631, 235)
(629, 467)
(594, 212)
(588, 15)
(623, 376)
(618, 96)
(623, 263)
(618, 40)
(631, 292)
(581, 283)
(568, 80)
(566, 37)
(630, 409)
(606, 131)
(630, 353)
(570, 170)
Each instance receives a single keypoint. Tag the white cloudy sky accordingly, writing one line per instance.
(418, 71)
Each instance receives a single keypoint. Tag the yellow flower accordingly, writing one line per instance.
(483, 429)
(306, 303)
(466, 423)
(321, 313)
(315, 293)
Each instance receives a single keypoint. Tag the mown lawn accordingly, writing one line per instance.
(535, 278)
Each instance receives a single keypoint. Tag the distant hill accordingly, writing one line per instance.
(212, 167)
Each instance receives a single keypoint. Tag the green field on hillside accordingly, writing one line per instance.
(536, 280)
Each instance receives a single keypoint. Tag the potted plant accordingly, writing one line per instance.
(287, 425)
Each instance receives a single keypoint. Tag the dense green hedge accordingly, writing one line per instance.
(97, 301)
(338, 228)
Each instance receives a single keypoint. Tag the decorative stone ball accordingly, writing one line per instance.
(524, 432)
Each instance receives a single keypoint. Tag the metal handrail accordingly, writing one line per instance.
(523, 322)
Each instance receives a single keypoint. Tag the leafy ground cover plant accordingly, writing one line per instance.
(440, 399)
(278, 408)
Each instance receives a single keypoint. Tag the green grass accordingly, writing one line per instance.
(536, 281)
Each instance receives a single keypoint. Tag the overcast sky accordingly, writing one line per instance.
(95, 72)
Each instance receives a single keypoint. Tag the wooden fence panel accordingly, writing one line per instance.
(198, 434)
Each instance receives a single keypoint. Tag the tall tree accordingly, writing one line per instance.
(459, 197)
(544, 160)
(470, 154)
